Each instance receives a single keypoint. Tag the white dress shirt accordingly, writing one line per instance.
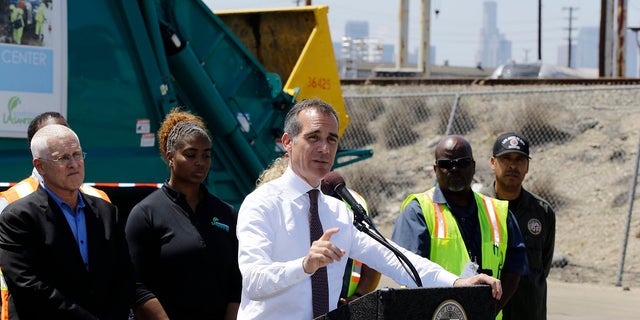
(273, 235)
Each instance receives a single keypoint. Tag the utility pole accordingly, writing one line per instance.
(403, 35)
(425, 30)
(526, 55)
(570, 29)
(606, 39)
(540, 30)
(621, 18)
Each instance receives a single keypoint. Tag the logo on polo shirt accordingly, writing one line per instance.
(215, 223)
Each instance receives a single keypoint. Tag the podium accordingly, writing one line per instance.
(461, 303)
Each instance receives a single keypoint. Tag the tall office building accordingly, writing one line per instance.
(388, 52)
(632, 55)
(357, 47)
(413, 56)
(585, 51)
(494, 48)
(356, 29)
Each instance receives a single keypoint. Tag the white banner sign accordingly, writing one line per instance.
(33, 63)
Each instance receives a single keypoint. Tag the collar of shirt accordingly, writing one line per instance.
(468, 212)
(438, 197)
(181, 200)
(66, 207)
(77, 223)
(297, 186)
(174, 195)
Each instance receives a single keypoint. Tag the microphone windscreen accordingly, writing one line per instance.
(330, 181)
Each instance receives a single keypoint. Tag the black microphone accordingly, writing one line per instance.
(333, 184)
(333, 181)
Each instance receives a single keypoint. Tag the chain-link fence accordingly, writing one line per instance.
(584, 146)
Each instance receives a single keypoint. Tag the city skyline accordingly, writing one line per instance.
(455, 30)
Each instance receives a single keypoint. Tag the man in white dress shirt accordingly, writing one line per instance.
(275, 258)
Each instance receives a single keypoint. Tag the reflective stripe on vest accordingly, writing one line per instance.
(447, 246)
(87, 189)
(4, 295)
(356, 266)
(354, 280)
(21, 190)
(28, 185)
(492, 216)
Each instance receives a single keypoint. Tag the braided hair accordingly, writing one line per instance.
(177, 125)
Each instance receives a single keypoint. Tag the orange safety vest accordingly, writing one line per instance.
(356, 266)
(30, 184)
(21, 190)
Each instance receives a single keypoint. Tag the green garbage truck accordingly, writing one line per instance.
(114, 68)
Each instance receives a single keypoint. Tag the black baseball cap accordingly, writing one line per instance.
(511, 142)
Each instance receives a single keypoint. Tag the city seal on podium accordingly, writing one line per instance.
(449, 310)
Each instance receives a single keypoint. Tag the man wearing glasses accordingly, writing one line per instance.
(464, 231)
(30, 184)
(63, 253)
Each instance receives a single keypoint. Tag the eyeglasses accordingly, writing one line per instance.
(66, 158)
(459, 163)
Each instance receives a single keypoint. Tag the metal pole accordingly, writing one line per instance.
(605, 66)
(403, 35)
(539, 30)
(425, 22)
(452, 115)
(631, 198)
(620, 43)
(570, 29)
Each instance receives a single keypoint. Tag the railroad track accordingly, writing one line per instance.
(491, 82)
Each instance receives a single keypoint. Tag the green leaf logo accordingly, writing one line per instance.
(215, 223)
(13, 103)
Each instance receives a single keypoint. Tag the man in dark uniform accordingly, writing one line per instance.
(537, 221)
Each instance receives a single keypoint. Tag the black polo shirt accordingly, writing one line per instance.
(188, 260)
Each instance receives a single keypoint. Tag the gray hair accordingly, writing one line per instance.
(292, 125)
(182, 130)
(40, 142)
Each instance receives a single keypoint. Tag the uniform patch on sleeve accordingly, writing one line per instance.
(534, 226)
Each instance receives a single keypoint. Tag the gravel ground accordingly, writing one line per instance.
(591, 175)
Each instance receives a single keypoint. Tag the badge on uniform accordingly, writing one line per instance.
(534, 226)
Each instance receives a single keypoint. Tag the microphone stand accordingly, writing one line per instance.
(359, 220)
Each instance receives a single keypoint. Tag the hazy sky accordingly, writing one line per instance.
(455, 30)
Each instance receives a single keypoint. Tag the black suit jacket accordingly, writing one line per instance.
(44, 270)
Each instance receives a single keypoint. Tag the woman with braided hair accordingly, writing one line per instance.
(182, 239)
